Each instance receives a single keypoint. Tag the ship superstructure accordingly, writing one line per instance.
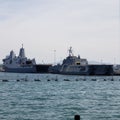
(74, 65)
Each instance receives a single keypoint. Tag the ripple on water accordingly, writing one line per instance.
(44, 100)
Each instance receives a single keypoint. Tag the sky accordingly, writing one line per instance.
(47, 28)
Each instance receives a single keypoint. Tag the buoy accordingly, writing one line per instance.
(104, 79)
(77, 80)
(84, 79)
(93, 79)
(48, 80)
(5, 80)
(66, 80)
(77, 117)
(17, 80)
(36, 80)
(112, 79)
(56, 79)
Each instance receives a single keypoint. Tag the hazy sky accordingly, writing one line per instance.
(91, 27)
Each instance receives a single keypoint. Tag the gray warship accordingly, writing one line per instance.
(21, 64)
(73, 65)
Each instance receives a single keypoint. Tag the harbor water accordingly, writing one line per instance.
(59, 97)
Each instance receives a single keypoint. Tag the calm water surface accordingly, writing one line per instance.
(58, 97)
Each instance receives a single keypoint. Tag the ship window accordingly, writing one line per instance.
(78, 63)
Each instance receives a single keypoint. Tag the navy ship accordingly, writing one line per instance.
(20, 63)
(74, 65)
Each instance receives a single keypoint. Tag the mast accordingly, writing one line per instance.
(70, 51)
(22, 52)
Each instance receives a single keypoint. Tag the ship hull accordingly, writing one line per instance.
(90, 70)
(100, 69)
(39, 68)
(74, 70)
(42, 68)
(21, 70)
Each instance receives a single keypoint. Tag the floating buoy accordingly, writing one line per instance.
(36, 80)
(17, 80)
(4, 80)
(48, 79)
(93, 79)
(112, 79)
(104, 79)
(66, 80)
(77, 117)
(77, 80)
(56, 79)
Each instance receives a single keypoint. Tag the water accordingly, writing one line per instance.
(58, 97)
